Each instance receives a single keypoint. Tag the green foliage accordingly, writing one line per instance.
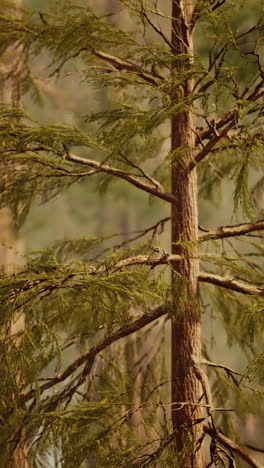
(66, 394)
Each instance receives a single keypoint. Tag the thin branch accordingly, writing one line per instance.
(251, 263)
(118, 64)
(252, 29)
(89, 357)
(221, 366)
(158, 31)
(232, 231)
(124, 65)
(132, 179)
(143, 232)
(156, 184)
(233, 283)
(231, 373)
(217, 124)
(155, 189)
(219, 233)
(256, 449)
(232, 446)
(211, 143)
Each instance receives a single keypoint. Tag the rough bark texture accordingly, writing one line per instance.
(186, 341)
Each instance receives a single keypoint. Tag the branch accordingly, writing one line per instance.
(220, 366)
(219, 233)
(124, 65)
(143, 232)
(155, 189)
(217, 124)
(231, 282)
(211, 143)
(232, 446)
(232, 231)
(143, 172)
(89, 357)
(161, 259)
(157, 30)
(158, 191)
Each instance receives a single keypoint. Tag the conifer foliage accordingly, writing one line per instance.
(72, 391)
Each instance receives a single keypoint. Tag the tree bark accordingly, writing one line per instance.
(186, 341)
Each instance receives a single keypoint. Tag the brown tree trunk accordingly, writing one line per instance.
(186, 341)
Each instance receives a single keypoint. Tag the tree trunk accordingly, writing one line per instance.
(186, 340)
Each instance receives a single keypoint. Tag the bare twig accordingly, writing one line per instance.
(143, 172)
(216, 124)
(157, 30)
(143, 232)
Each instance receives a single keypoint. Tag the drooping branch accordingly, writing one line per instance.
(231, 282)
(232, 231)
(89, 357)
(154, 187)
(157, 191)
(232, 446)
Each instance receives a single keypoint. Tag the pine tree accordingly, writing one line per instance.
(206, 79)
